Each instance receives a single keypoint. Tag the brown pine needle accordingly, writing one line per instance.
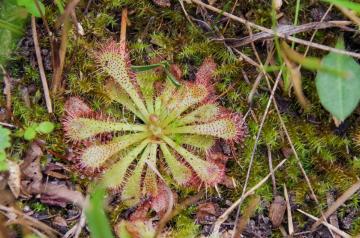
(340, 201)
(124, 18)
(331, 227)
(281, 35)
(289, 215)
(41, 66)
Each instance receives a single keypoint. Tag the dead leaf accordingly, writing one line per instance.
(60, 195)
(14, 178)
(32, 183)
(6, 197)
(31, 170)
(54, 170)
(161, 202)
(277, 211)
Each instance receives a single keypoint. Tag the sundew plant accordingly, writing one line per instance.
(175, 130)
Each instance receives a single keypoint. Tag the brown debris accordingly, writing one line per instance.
(59, 221)
(162, 3)
(32, 182)
(277, 211)
(31, 170)
(333, 218)
(207, 212)
(54, 170)
(14, 178)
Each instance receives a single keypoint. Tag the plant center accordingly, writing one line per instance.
(154, 126)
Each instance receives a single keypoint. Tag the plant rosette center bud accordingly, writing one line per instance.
(154, 126)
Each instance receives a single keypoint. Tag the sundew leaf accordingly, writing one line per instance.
(339, 94)
(98, 223)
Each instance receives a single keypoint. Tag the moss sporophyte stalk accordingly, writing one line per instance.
(174, 133)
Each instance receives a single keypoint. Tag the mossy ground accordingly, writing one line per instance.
(328, 154)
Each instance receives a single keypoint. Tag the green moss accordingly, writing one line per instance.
(185, 227)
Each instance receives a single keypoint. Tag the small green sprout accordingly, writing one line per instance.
(45, 127)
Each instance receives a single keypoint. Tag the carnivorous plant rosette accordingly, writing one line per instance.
(176, 127)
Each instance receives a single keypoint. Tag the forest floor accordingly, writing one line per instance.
(316, 158)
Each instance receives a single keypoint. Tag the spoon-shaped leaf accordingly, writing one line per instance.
(339, 95)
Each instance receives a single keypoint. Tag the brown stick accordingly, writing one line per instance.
(65, 20)
(58, 69)
(249, 192)
(271, 168)
(124, 17)
(333, 217)
(281, 35)
(340, 201)
(331, 227)
(287, 30)
(41, 66)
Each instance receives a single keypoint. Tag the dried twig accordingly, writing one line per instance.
(289, 215)
(256, 142)
(10, 212)
(59, 67)
(232, 11)
(271, 169)
(41, 66)
(281, 35)
(333, 217)
(7, 124)
(51, 35)
(75, 231)
(60, 61)
(124, 14)
(331, 227)
(287, 30)
(185, 12)
(283, 124)
(341, 200)
(251, 191)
